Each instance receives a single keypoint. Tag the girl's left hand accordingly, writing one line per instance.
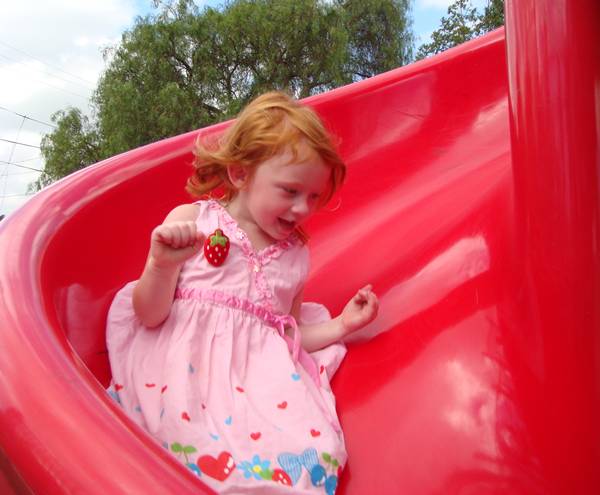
(360, 310)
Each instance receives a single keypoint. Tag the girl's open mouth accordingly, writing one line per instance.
(286, 224)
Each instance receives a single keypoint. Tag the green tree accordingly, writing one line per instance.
(379, 36)
(492, 17)
(73, 145)
(181, 68)
(462, 23)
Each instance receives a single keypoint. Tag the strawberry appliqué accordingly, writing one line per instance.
(216, 248)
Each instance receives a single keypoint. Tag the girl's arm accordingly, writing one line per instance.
(359, 311)
(171, 244)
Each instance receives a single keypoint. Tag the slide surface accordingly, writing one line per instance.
(432, 395)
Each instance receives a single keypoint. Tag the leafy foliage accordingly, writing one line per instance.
(492, 17)
(182, 69)
(73, 145)
(462, 23)
(379, 36)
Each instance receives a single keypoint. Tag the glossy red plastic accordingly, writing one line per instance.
(481, 373)
(553, 55)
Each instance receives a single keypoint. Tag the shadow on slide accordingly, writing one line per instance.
(428, 394)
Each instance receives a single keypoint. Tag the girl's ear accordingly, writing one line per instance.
(238, 175)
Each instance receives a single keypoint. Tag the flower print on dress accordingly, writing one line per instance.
(257, 468)
(261, 470)
(234, 311)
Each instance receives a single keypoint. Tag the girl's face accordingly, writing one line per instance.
(283, 192)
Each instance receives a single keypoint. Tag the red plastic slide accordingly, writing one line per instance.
(481, 374)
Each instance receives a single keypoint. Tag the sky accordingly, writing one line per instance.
(51, 58)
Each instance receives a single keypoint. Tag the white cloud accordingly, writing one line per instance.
(444, 4)
(50, 58)
(435, 4)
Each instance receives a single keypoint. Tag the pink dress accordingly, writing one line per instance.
(220, 385)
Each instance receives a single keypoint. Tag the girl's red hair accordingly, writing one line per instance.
(269, 125)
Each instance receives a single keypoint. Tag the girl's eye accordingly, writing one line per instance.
(288, 190)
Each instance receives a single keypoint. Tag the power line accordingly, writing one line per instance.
(10, 59)
(12, 151)
(21, 166)
(57, 87)
(45, 63)
(17, 195)
(28, 118)
(25, 172)
(29, 159)
(21, 144)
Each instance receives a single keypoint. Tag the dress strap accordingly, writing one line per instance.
(294, 345)
(298, 353)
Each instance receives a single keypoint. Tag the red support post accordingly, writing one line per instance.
(553, 57)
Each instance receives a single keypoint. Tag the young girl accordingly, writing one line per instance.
(212, 350)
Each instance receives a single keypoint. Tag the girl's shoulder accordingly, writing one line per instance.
(193, 211)
(185, 212)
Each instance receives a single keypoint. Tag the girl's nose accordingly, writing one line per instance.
(301, 206)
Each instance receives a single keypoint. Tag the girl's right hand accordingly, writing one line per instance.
(171, 244)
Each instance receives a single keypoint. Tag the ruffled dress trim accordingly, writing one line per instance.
(279, 322)
(256, 259)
